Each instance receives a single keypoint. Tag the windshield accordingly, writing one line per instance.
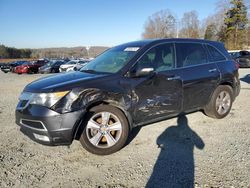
(112, 60)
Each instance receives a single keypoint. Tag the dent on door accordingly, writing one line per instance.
(156, 97)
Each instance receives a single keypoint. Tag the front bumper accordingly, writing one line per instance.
(46, 126)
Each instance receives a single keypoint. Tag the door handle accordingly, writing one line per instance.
(174, 78)
(212, 70)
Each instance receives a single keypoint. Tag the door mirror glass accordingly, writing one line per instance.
(144, 72)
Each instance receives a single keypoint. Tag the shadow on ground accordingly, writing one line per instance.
(246, 79)
(175, 164)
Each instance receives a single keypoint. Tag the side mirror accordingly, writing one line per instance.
(144, 72)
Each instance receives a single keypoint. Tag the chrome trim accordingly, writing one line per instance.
(27, 126)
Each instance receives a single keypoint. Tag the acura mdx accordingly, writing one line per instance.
(129, 85)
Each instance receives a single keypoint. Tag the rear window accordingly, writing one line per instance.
(215, 54)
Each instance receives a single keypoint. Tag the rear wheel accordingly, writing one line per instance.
(106, 130)
(221, 102)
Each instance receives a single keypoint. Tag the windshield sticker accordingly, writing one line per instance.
(131, 49)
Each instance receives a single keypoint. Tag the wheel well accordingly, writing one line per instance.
(227, 83)
(79, 128)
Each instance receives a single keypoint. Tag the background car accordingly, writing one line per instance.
(242, 57)
(30, 67)
(9, 67)
(69, 66)
(5, 67)
(78, 65)
(51, 67)
(24, 68)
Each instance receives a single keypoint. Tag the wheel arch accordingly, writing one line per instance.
(79, 128)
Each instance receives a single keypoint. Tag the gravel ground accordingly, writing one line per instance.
(205, 151)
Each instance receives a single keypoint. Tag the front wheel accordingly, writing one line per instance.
(106, 130)
(221, 102)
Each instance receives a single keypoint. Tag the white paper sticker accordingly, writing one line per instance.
(131, 49)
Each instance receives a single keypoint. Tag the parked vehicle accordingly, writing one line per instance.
(77, 66)
(5, 67)
(9, 67)
(24, 68)
(72, 65)
(127, 86)
(51, 67)
(242, 57)
(30, 67)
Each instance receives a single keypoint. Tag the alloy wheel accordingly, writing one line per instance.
(104, 130)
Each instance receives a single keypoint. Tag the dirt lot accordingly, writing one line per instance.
(209, 152)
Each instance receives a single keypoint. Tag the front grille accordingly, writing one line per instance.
(33, 124)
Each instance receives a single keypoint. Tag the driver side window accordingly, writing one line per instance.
(161, 58)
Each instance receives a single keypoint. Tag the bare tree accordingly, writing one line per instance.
(190, 25)
(160, 25)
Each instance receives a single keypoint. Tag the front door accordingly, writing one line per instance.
(158, 95)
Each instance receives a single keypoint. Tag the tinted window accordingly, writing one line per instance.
(161, 58)
(244, 53)
(215, 54)
(189, 54)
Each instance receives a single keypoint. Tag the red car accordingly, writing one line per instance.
(30, 67)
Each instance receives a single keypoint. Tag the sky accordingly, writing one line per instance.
(70, 23)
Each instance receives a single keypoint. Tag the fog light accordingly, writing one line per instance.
(41, 137)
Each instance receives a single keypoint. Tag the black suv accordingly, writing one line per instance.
(127, 86)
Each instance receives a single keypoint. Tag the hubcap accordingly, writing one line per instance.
(223, 102)
(104, 130)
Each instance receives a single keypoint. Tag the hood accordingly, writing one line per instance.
(60, 82)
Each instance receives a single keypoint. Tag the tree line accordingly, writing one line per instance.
(9, 52)
(76, 52)
(229, 24)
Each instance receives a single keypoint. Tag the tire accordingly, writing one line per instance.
(220, 103)
(99, 137)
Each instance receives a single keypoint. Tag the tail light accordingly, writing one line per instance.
(237, 65)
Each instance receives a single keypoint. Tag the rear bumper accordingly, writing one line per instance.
(244, 64)
(46, 126)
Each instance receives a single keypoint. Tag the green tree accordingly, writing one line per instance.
(235, 25)
(3, 52)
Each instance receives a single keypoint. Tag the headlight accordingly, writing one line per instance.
(43, 99)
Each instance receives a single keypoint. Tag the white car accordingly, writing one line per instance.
(72, 65)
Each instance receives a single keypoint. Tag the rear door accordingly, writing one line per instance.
(158, 95)
(200, 77)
